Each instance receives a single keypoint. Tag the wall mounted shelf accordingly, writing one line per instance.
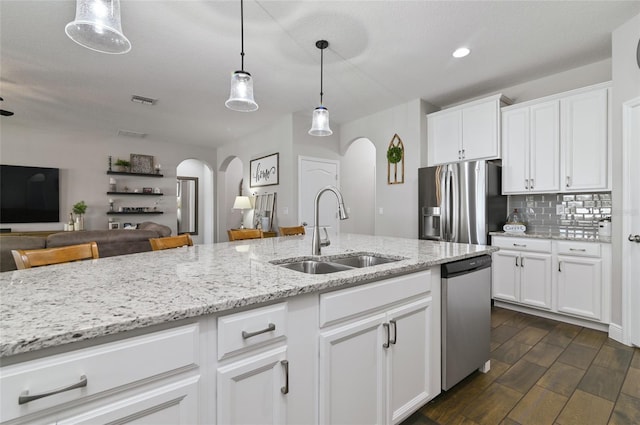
(124, 173)
(134, 212)
(135, 193)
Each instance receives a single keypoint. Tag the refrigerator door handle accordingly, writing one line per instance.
(444, 210)
(454, 194)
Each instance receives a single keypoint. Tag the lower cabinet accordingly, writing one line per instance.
(376, 368)
(572, 279)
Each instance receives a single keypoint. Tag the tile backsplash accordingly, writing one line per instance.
(581, 212)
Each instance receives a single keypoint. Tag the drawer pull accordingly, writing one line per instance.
(578, 249)
(388, 332)
(285, 389)
(26, 398)
(246, 335)
(395, 332)
(523, 245)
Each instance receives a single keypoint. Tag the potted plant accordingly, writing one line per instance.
(122, 165)
(79, 209)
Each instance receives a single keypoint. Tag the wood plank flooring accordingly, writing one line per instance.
(543, 372)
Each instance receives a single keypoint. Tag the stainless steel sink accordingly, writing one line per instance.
(335, 264)
(315, 267)
(363, 260)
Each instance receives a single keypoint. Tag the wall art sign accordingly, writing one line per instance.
(264, 171)
(142, 164)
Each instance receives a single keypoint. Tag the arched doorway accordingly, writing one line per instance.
(204, 199)
(358, 168)
(229, 186)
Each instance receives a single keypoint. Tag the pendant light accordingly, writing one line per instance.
(320, 120)
(241, 96)
(97, 27)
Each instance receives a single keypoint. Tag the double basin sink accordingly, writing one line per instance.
(336, 264)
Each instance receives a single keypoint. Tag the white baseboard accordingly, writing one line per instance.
(604, 327)
(616, 334)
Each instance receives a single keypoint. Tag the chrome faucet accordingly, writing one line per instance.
(317, 243)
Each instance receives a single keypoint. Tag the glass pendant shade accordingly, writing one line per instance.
(97, 26)
(241, 96)
(320, 122)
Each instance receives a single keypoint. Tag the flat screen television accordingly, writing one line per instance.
(29, 194)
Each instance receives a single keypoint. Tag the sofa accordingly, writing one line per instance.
(110, 242)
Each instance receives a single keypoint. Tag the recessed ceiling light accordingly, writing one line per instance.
(461, 52)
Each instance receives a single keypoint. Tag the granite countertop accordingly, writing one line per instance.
(556, 236)
(55, 305)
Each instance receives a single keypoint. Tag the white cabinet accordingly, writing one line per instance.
(531, 148)
(253, 384)
(465, 132)
(110, 382)
(580, 283)
(585, 135)
(570, 278)
(378, 367)
(520, 274)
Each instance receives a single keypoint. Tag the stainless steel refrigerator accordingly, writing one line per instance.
(461, 202)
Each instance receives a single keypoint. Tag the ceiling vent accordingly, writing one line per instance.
(143, 100)
(134, 134)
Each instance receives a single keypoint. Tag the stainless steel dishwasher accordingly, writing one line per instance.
(466, 318)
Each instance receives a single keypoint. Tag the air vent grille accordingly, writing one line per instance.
(134, 134)
(143, 100)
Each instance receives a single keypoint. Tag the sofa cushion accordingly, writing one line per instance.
(8, 243)
(161, 229)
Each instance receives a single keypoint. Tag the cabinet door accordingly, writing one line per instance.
(408, 355)
(250, 391)
(544, 148)
(515, 151)
(580, 286)
(535, 279)
(506, 275)
(173, 404)
(444, 136)
(480, 131)
(352, 381)
(584, 121)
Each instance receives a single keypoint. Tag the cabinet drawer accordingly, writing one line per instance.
(105, 367)
(583, 249)
(522, 244)
(345, 303)
(239, 331)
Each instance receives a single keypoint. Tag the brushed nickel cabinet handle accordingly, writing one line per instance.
(26, 398)
(386, 328)
(520, 245)
(577, 249)
(395, 331)
(560, 266)
(517, 265)
(269, 328)
(285, 389)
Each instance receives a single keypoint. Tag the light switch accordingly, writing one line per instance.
(285, 210)
(380, 211)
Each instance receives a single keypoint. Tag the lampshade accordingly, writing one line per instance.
(241, 96)
(242, 203)
(97, 26)
(320, 122)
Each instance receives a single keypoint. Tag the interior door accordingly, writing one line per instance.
(313, 175)
(631, 218)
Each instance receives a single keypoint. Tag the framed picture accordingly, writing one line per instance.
(264, 171)
(142, 164)
(114, 225)
(147, 190)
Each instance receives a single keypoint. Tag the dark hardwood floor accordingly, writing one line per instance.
(544, 372)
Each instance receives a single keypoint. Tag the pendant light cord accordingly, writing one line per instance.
(241, 35)
(321, 72)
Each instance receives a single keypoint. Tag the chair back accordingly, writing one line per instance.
(168, 242)
(27, 258)
(292, 231)
(240, 234)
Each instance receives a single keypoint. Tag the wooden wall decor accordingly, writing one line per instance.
(395, 161)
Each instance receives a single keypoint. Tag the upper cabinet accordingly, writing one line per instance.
(465, 132)
(585, 136)
(557, 144)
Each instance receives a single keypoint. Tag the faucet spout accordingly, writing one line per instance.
(342, 214)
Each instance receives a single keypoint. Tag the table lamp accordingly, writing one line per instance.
(242, 203)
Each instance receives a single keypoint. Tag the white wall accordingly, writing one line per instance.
(233, 177)
(358, 182)
(626, 86)
(399, 202)
(275, 139)
(83, 162)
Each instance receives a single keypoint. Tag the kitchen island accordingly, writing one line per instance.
(169, 315)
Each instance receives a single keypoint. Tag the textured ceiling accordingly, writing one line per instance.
(381, 53)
